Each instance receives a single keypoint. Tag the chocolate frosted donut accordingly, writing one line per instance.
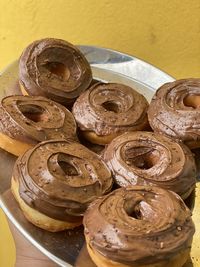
(55, 69)
(27, 120)
(146, 158)
(109, 109)
(175, 111)
(139, 226)
(56, 181)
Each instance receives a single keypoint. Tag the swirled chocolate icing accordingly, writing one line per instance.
(32, 119)
(108, 108)
(139, 225)
(60, 178)
(170, 114)
(54, 68)
(146, 158)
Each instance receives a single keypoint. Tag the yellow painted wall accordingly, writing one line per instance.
(7, 248)
(164, 32)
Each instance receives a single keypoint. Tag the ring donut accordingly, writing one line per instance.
(55, 182)
(107, 110)
(27, 120)
(175, 111)
(139, 226)
(146, 158)
(55, 69)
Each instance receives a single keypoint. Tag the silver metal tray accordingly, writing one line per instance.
(67, 248)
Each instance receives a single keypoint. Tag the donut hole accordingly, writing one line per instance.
(133, 210)
(68, 168)
(136, 214)
(192, 101)
(142, 158)
(111, 106)
(34, 113)
(59, 69)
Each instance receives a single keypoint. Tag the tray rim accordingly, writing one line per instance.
(10, 216)
(54, 258)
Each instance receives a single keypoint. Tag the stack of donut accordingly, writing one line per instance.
(78, 140)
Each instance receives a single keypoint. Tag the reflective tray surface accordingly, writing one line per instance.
(67, 248)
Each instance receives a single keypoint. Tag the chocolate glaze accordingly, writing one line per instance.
(168, 113)
(32, 119)
(108, 108)
(60, 178)
(54, 68)
(139, 225)
(146, 158)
